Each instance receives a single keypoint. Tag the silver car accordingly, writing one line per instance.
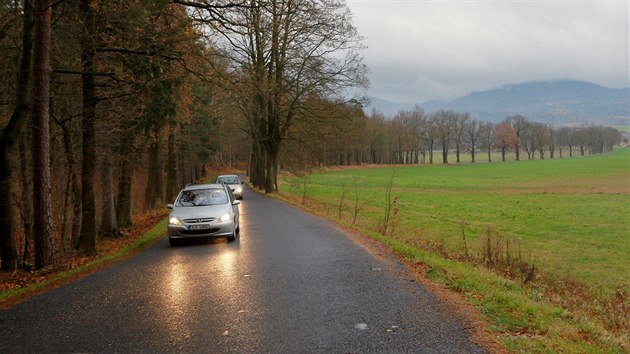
(235, 183)
(203, 211)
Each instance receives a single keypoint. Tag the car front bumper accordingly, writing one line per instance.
(195, 230)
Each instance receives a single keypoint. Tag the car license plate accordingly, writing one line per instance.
(199, 227)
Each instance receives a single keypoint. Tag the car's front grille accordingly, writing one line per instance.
(198, 221)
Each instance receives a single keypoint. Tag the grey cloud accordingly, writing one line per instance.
(426, 50)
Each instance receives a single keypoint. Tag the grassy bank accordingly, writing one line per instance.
(568, 219)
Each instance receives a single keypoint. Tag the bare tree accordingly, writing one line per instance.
(519, 123)
(487, 138)
(505, 138)
(460, 123)
(281, 53)
(444, 124)
(430, 135)
(87, 238)
(474, 133)
(541, 133)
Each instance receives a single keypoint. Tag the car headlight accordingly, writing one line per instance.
(238, 190)
(174, 221)
(225, 217)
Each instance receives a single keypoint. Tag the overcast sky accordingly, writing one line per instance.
(420, 50)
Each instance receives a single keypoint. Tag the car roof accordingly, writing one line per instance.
(227, 176)
(204, 186)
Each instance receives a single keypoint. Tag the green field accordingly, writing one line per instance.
(622, 128)
(571, 216)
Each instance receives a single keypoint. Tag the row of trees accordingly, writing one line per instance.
(413, 137)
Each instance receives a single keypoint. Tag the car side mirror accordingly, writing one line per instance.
(236, 202)
(169, 206)
(242, 182)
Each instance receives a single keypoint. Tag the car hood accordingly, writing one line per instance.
(210, 211)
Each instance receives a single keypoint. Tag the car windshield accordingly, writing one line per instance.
(202, 197)
(228, 180)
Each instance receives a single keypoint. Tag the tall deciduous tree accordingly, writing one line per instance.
(473, 136)
(42, 205)
(460, 124)
(282, 52)
(87, 239)
(519, 123)
(444, 123)
(505, 138)
(9, 137)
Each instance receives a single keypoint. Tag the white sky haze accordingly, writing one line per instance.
(422, 50)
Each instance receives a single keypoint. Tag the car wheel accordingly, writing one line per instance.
(173, 241)
(232, 237)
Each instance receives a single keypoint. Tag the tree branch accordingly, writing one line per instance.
(138, 52)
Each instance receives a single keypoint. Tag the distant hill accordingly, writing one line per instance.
(388, 108)
(556, 102)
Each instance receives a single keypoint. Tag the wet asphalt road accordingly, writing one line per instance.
(290, 283)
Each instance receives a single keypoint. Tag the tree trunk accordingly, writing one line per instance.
(42, 205)
(271, 180)
(8, 139)
(153, 191)
(257, 176)
(73, 192)
(444, 151)
(171, 168)
(87, 237)
(123, 205)
(8, 251)
(27, 208)
(109, 224)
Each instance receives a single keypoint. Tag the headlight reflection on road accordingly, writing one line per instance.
(176, 301)
(226, 261)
